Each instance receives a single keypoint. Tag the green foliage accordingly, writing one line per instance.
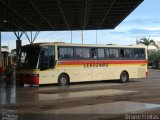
(147, 42)
(154, 58)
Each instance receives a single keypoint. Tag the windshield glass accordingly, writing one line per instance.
(29, 57)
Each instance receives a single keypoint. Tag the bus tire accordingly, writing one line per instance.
(63, 80)
(124, 77)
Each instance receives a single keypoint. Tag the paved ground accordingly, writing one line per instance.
(29, 100)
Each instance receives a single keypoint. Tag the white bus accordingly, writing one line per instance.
(62, 63)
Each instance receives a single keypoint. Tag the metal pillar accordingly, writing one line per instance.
(1, 69)
(96, 37)
(18, 47)
(82, 36)
(18, 43)
(71, 36)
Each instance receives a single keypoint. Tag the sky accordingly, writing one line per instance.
(144, 21)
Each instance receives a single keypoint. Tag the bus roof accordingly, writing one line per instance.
(84, 45)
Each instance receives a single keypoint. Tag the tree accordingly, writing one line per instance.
(154, 58)
(147, 42)
(157, 45)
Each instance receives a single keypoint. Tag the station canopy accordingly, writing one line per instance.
(51, 15)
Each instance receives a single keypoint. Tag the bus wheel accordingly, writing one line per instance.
(124, 77)
(63, 80)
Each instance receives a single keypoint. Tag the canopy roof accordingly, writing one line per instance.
(49, 15)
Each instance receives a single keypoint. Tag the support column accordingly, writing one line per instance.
(18, 47)
(71, 36)
(1, 69)
(96, 37)
(18, 43)
(82, 36)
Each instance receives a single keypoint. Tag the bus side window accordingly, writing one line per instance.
(128, 53)
(107, 53)
(121, 53)
(142, 53)
(101, 53)
(114, 53)
(82, 53)
(94, 52)
(65, 53)
(135, 53)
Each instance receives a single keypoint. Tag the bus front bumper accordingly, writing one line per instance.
(27, 79)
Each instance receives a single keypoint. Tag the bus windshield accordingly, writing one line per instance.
(29, 57)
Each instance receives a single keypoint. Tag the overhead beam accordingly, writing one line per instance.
(106, 14)
(62, 13)
(13, 10)
(88, 4)
(3, 20)
(41, 14)
(13, 24)
(85, 15)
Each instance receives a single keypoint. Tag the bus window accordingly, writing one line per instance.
(28, 57)
(128, 53)
(121, 53)
(23, 57)
(141, 53)
(107, 52)
(51, 56)
(113, 53)
(94, 52)
(65, 53)
(47, 57)
(136, 53)
(101, 53)
(82, 53)
(44, 58)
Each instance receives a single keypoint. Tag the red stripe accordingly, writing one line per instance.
(28, 80)
(1, 70)
(79, 62)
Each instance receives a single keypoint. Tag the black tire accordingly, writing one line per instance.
(124, 77)
(63, 80)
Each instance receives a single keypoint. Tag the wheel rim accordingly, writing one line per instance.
(63, 81)
(124, 77)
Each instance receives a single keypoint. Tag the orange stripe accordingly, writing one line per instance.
(79, 62)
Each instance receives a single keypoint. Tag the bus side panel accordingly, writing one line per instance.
(47, 76)
(80, 73)
(75, 73)
(134, 71)
(97, 74)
